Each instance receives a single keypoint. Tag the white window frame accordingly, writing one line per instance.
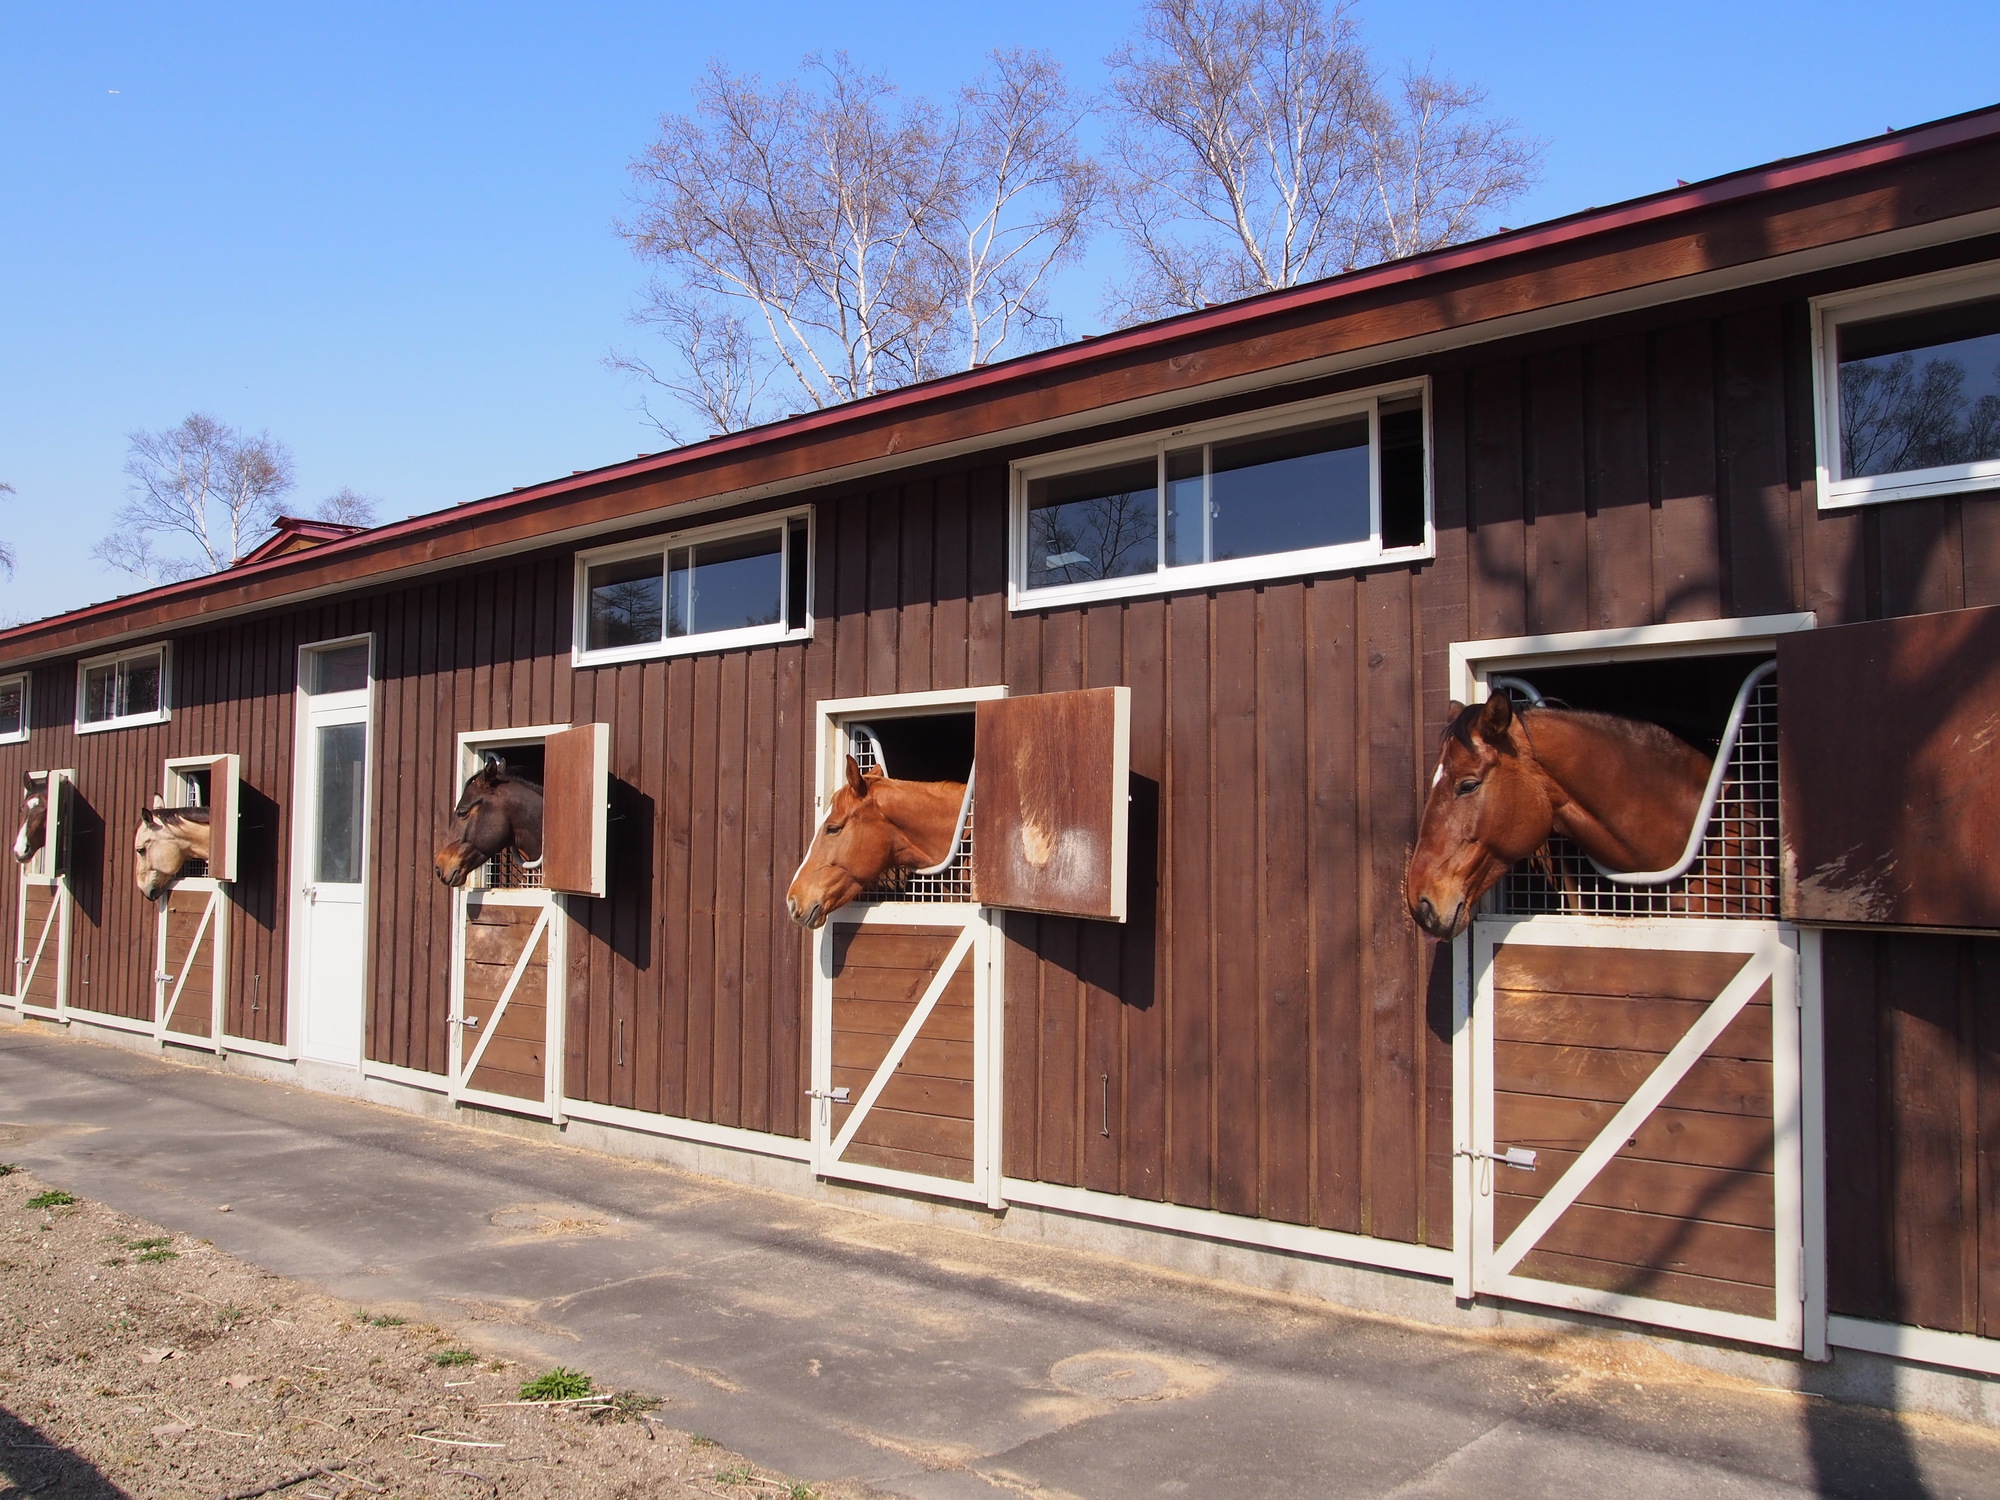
(162, 649)
(1916, 294)
(24, 681)
(1167, 579)
(715, 640)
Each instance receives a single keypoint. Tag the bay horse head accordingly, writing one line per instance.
(875, 827)
(497, 810)
(167, 838)
(1627, 792)
(34, 829)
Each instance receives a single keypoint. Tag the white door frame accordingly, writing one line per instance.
(1798, 1152)
(315, 711)
(52, 943)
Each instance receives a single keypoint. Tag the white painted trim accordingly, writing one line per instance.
(1471, 661)
(27, 683)
(1654, 295)
(1952, 1351)
(1913, 294)
(714, 640)
(77, 1017)
(1189, 577)
(212, 929)
(831, 753)
(789, 1148)
(547, 930)
(1270, 1234)
(1812, 1141)
(160, 715)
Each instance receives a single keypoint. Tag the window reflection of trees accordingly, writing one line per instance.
(1897, 414)
(622, 614)
(1111, 536)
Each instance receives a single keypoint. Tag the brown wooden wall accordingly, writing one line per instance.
(1268, 1035)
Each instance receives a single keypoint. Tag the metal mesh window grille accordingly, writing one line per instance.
(505, 872)
(952, 883)
(1734, 875)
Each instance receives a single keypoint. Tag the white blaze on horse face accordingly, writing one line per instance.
(1438, 774)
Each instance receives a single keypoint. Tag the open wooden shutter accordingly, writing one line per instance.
(1889, 763)
(576, 785)
(224, 805)
(1051, 803)
(61, 793)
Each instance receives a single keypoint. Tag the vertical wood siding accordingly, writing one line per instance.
(1268, 1035)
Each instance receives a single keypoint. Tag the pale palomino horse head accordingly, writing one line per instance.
(168, 837)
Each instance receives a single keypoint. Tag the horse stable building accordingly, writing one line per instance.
(1186, 605)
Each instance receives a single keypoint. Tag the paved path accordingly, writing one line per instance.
(929, 1362)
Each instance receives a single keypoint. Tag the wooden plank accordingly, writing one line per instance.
(1335, 860)
(887, 1017)
(1235, 875)
(936, 1058)
(1695, 1247)
(922, 1163)
(859, 982)
(731, 862)
(1494, 520)
(576, 766)
(1621, 557)
(919, 1093)
(1674, 1190)
(1633, 972)
(950, 628)
(1053, 803)
(899, 1130)
(1559, 584)
(703, 854)
(1190, 993)
(489, 981)
(880, 946)
(1686, 572)
(789, 1036)
(1692, 1137)
(1753, 493)
(1142, 1121)
(1100, 960)
(1982, 1069)
(1651, 1026)
(1666, 1286)
(1283, 936)
(759, 917)
(1720, 1085)
(677, 916)
(1858, 1212)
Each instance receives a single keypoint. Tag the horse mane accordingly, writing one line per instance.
(508, 773)
(1641, 732)
(185, 814)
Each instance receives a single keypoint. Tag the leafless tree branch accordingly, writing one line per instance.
(347, 507)
(201, 481)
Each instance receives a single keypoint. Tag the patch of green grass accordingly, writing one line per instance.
(450, 1359)
(157, 1242)
(155, 1256)
(740, 1474)
(560, 1384)
(53, 1198)
(9, 1168)
(116, 1260)
(230, 1315)
(802, 1492)
(696, 1440)
(378, 1320)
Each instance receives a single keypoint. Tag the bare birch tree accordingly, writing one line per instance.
(347, 507)
(823, 241)
(1256, 147)
(6, 552)
(201, 482)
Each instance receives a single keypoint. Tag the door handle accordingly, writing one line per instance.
(466, 1021)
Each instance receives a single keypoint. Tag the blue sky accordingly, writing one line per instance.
(385, 232)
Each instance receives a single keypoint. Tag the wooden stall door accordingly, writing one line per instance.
(902, 1059)
(191, 947)
(501, 1012)
(1653, 1070)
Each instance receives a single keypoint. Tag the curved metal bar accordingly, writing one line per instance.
(867, 732)
(1724, 754)
(1527, 689)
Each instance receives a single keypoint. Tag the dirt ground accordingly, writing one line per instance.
(136, 1362)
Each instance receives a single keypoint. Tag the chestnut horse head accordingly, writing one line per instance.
(34, 827)
(1627, 792)
(874, 827)
(167, 839)
(497, 810)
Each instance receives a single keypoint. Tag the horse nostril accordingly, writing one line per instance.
(1426, 913)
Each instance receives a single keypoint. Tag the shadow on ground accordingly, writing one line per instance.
(31, 1464)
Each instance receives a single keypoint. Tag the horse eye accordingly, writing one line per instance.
(1468, 786)
(835, 827)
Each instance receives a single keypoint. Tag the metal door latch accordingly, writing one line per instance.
(1513, 1156)
(466, 1021)
(838, 1096)
(163, 979)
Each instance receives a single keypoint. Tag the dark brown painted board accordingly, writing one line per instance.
(224, 801)
(1908, 709)
(192, 966)
(514, 1062)
(574, 776)
(1053, 805)
(40, 945)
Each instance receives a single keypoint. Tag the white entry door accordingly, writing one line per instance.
(330, 848)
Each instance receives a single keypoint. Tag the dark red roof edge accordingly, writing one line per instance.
(1789, 172)
(287, 527)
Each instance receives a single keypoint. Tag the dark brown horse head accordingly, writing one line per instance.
(34, 829)
(1488, 809)
(876, 825)
(497, 810)
(1627, 792)
(167, 838)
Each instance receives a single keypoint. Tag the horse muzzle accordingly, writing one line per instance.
(1440, 925)
(455, 864)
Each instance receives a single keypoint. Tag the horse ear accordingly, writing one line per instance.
(856, 782)
(29, 786)
(1495, 715)
(158, 800)
(148, 817)
(489, 770)
(1451, 712)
